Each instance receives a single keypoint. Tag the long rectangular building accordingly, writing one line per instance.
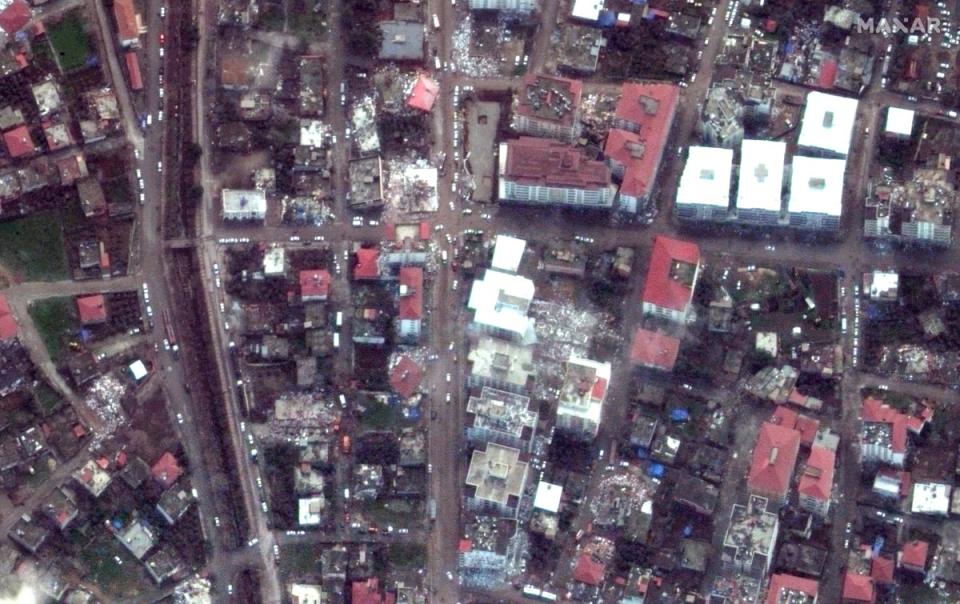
(760, 189)
(547, 172)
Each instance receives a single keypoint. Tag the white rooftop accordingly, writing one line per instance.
(548, 497)
(313, 133)
(828, 122)
(931, 498)
(588, 10)
(706, 177)
(884, 282)
(816, 186)
(899, 121)
(303, 593)
(501, 300)
(138, 370)
(310, 510)
(507, 253)
(244, 204)
(761, 175)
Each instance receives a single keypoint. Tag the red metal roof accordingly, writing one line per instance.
(817, 478)
(15, 16)
(808, 427)
(881, 569)
(774, 458)
(126, 17)
(913, 555)
(783, 582)
(858, 588)
(8, 326)
(423, 94)
(662, 287)
(588, 570)
(546, 162)
(367, 266)
(828, 73)
(654, 349)
(464, 545)
(133, 71)
(647, 109)
(424, 230)
(366, 591)
(405, 377)
(784, 416)
(19, 142)
(411, 300)
(639, 159)
(315, 284)
(92, 309)
(166, 470)
(875, 410)
(647, 105)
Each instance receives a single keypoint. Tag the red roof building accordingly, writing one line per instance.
(547, 172)
(816, 483)
(411, 292)
(128, 22)
(828, 73)
(913, 556)
(405, 377)
(8, 326)
(671, 277)
(423, 94)
(773, 462)
(782, 586)
(166, 471)
(858, 588)
(788, 418)
(14, 16)
(654, 349)
(314, 285)
(881, 570)
(888, 444)
(547, 106)
(133, 71)
(19, 142)
(92, 309)
(366, 592)
(368, 265)
(589, 570)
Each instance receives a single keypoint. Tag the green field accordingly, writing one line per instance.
(53, 318)
(32, 247)
(121, 580)
(69, 41)
(46, 398)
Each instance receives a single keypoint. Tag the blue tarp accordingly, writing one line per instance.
(607, 18)
(687, 531)
(877, 544)
(655, 470)
(679, 415)
(641, 453)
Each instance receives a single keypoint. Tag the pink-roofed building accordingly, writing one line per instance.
(314, 285)
(773, 461)
(858, 589)
(913, 556)
(14, 15)
(884, 432)
(8, 326)
(410, 312)
(92, 309)
(368, 264)
(671, 278)
(790, 589)
(167, 470)
(19, 143)
(544, 171)
(423, 94)
(816, 481)
(654, 350)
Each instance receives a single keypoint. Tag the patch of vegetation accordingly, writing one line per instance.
(46, 398)
(53, 318)
(32, 247)
(104, 571)
(69, 41)
(378, 415)
(299, 559)
(407, 555)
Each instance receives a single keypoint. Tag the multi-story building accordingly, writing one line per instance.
(816, 193)
(500, 302)
(773, 461)
(749, 543)
(547, 106)
(500, 417)
(760, 187)
(501, 364)
(520, 6)
(791, 589)
(547, 172)
(244, 204)
(495, 480)
(581, 398)
(816, 481)
(883, 433)
(671, 278)
(827, 126)
(704, 191)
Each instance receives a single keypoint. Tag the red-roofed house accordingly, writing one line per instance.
(671, 278)
(405, 376)
(828, 73)
(773, 462)
(881, 570)
(808, 428)
(314, 285)
(883, 435)
(19, 142)
(133, 71)
(14, 15)
(8, 326)
(411, 303)
(589, 570)
(858, 589)
(92, 309)
(166, 471)
(547, 106)
(816, 482)
(423, 94)
(913, 556)
(654, 350)
(790, 588)
(366, 592)
(543, 171)
(784, 416)
(647, 110)
(368, 264)
(128, 22)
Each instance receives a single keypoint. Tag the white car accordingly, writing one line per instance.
(448, 378)
(159, 166)
(179, 418)
(448, 397)
(357, 221)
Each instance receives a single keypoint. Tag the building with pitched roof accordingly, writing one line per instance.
(547, 106)
(405, 376)
(881, 570)
(582, 396)
(14, 15)
(19, 143)
(166, 470)
(704, 191)
(128, 22)
(410, 303)
(423, 94)
(133, 70)
(773, 461)
(913, 556)
(816, 481)
(654, 350)
(858, 589)
(790, 589)
(671, 278)
(368, 263)
(883, 432)
(314, 285)
(92, 309)
(543, 171)
(589, 569)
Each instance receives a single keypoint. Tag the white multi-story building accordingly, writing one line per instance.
(581, 399)
(760, 187)
(816, 193)
(704, 192)
(241, 204)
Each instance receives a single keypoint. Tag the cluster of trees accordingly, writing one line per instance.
(362, 31)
